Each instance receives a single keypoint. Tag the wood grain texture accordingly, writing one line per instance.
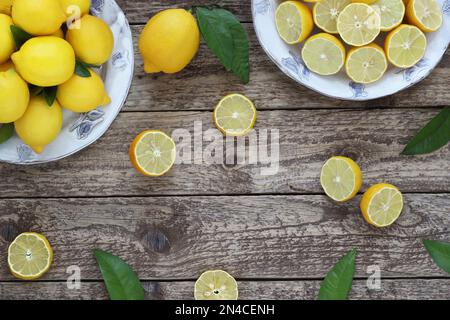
(201, 85)
(255, 237)
(374, 138)
(248, 290)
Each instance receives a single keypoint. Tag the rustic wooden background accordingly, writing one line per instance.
(278, 235)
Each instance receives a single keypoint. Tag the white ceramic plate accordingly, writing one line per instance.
(288, 59)
(81, 130)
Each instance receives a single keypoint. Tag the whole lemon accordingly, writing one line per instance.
(45, 61)
(169, 41)
(38, 17)
(14, 96)
(83, 5)
(59, 34)
(93, 42)
(7, 45)
(5, 6)
(40, 124)
(81, 94)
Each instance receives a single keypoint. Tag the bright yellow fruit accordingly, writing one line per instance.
(169, 41)
(40, 124)
(425, 14)
(14, 96)
(5, 6)
(324, 54)
(6, 66)
(382, 204)
(341, 178)
(7, 44)
(366, 64)
(359, 24)
(38, 17)
(216, 285)
(80, 94)
(93, 42)
(294, 21)
(405, 46)
(364, 1)
(29, 256)
(45, 61)
(153, 153)
(392, 13)
(59, 34)
(326, 12)
(235, 115)
(83, 5)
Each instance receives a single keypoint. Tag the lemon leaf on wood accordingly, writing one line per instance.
(439, 252)
(121, 281)
(20, 36)
(227, 39)
(49, 94)
(432, 137)
(6, 132)
(338, 282)
(81, 69)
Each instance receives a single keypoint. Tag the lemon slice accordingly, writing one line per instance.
(324, 54)
(29, 256)
(366, 64)
(294, 21)
(326, 12)
(216, 285)
(359, 24)
(425, 14)
(341, 178)
(364, 1)
(382, 204)
(235, 115)
(153, 153)
(392, 13)
(405, 46)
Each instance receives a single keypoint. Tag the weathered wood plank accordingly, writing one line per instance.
(409, 289)
(254, 237)
(374, 138)
(205, 81)
(139, 11)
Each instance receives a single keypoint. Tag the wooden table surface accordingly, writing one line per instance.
(278, 235)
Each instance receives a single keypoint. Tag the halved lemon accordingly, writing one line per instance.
(341, 178)
(366, 64)
(29, 256)
(235, 115)
(405, 46)
(153, 153)
(382, 204)
(324, 54)
(216, 285)
(425, 14)
(359, 24)
(326, 12)
(294, 21)
(392, 13)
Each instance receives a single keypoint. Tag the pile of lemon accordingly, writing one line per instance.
(48, 60)
(359, 24)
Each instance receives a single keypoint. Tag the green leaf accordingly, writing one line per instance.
(6, 132)
(81, 69)
(338, 282)
(432, 137)
(227, 39)
(20, 36)
(439, 252)
(49, 94)
(121, 281)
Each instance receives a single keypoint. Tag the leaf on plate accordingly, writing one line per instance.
(338, 282)
(49, 94)
(432, 137)
(81, 69)
(227, 39)
(20, 36)
(439, 252)
(121, 281)
(6, 132)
